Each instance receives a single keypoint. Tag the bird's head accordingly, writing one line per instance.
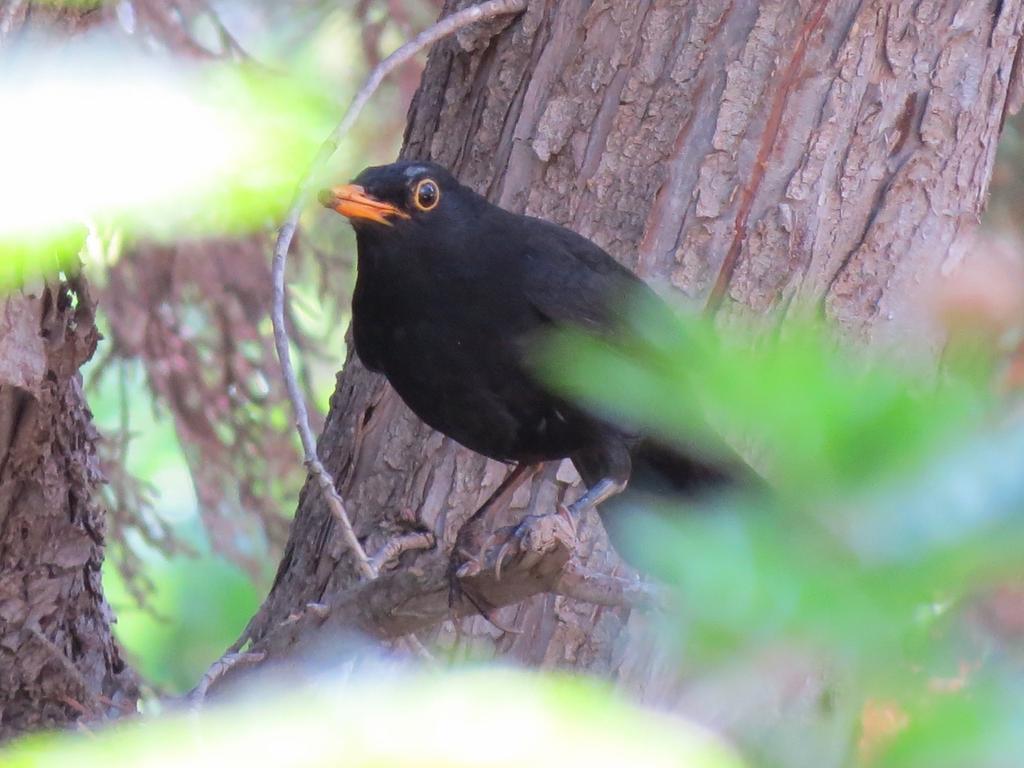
(396, 195)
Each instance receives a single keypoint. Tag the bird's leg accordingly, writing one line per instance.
(606, 465)
(601, 491)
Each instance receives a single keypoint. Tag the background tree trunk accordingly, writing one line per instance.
(58, 658)
(759, 157)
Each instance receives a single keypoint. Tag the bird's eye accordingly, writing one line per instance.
(427, 195)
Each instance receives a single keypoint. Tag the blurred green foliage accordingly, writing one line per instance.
(896, 507)
(158, 152)
(496, 718)
(828, 420)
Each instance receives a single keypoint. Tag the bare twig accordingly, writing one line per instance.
(161, 19)
(217, 670)
(227, 40)
(407, 600)
(394, 548)
(368, 569)
(438, 31)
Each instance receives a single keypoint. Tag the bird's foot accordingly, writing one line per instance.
(523, 546)
(531, 535)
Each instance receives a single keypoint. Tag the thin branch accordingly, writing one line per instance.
(368, 569)
(227, 40)
(160, 19)
(395, 547)
(217, 670)
(440, 30)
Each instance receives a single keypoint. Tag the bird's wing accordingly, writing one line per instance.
(572, 281)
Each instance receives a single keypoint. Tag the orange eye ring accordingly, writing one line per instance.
(427, 195)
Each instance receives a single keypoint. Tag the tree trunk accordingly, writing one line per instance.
(58, 658)
(760, 157)
(59, 661)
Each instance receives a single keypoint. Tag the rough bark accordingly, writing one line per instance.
(58, 658)
(55, 20)
(758, 157)
(59, 661)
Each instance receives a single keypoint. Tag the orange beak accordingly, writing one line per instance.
(353, 202)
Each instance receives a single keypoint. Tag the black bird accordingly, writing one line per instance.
(451, 291)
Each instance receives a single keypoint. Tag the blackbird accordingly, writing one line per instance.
(451, 291)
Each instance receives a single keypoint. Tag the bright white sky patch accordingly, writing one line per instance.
(121, 137)
(74, 145)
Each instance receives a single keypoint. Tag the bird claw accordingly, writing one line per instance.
(501, 559)
(516, 540)
(509, 541)
(531, 539)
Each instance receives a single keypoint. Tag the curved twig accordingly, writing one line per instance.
(368, 569)
(217, 670)
(443, 28)
(397, 546)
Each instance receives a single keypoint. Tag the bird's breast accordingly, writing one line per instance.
(463, 374)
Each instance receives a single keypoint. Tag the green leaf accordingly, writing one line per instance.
(828, 421)
(108, 138)
(497, 718)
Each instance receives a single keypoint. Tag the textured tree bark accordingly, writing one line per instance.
(59, 661)
(761, 158)
(58, 658)
(53, 19)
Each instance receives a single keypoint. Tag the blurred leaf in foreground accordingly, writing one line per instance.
(497, 718)
(160, 150)
(897, 504)
(828, 421)
(982, 728)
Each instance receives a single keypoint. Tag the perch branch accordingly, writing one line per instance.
(589, 586)
(401, 602)
(404, 601)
